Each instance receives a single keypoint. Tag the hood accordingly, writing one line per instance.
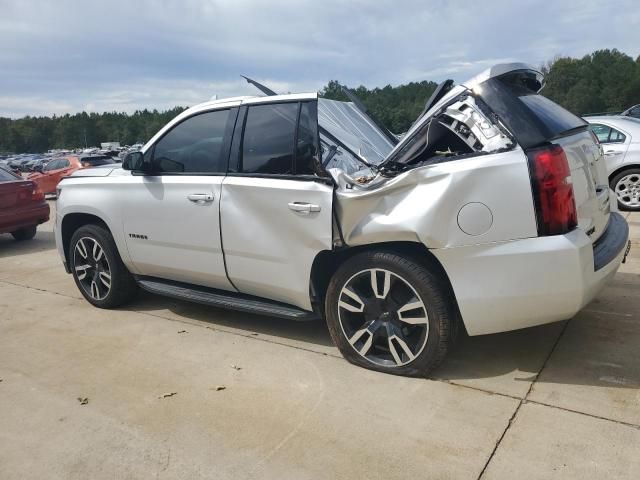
(99, 171)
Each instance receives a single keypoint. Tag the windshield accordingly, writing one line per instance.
(355, 130)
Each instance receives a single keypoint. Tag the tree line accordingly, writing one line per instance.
(603, 81)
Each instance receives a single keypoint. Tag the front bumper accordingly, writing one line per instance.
(521, 283)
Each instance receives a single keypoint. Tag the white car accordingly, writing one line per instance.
(620, 139)
(492, 213)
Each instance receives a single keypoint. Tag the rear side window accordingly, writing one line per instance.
(267, 144)
(607, 134)
(533, 119)
(553, 116)
(616, 136)
(193, 146)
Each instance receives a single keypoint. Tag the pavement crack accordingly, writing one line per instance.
(522, 401)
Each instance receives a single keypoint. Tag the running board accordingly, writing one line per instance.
(223, 299)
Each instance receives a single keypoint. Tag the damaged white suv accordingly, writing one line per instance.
(493, 212)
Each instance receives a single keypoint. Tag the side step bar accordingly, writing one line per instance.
(223, 299)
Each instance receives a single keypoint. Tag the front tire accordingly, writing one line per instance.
(26, 233)
(390, 313)
(97, 268)
(626, 186)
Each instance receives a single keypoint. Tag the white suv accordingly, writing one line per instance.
(493, 212)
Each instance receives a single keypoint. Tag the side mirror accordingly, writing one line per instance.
(134, 161)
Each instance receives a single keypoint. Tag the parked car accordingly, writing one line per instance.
(22, 206)
(632, 112)
(493, 210)
(620, 139)
(51, 174)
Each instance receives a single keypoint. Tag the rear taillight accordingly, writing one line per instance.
(37, 195)
(552, 190)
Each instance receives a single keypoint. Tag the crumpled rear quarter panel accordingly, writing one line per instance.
(422, 204)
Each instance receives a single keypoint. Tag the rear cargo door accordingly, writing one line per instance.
(535, 120)
(590, 187)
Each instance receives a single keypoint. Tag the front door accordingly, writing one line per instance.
(172, 216)
(276, 211)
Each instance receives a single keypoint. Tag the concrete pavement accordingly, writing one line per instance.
(559, 401)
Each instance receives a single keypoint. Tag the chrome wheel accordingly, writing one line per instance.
(628, 190)
(92, 268)
(383, 317)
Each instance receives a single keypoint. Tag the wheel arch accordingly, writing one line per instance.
(327, 262)
(72, 222)
(622, 168)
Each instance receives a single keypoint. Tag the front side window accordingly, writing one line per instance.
(267, 145)
(193, 146)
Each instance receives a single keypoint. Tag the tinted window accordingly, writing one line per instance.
(602, 132)
(52, 165)
(553, 116)
(267, 145)
(7, 176)
(306, 143)
(607, 134)
(195, 145)
(64, 163)
(616, 136)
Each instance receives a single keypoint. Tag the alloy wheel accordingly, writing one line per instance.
(383, 317)
(92, 268)
(628, 190)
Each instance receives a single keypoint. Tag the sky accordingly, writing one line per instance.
(66, 56)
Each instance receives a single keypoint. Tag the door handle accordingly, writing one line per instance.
(303, 207)
(200, 198)
(609, 153)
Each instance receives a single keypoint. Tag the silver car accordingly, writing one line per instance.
(492, 213)
(620, 139)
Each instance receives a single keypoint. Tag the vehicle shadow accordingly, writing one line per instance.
(43, 241)
(599, 344)
(311, 333)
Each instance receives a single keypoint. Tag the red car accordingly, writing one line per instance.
(52, 173)
(22, 206)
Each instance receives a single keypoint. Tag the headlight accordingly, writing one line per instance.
(58, 192)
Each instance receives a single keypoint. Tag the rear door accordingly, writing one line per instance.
(614, 143)
(276, 208)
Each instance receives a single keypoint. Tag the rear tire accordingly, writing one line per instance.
(626, 186)
(97, 268)
(390, 313)
(26, 233)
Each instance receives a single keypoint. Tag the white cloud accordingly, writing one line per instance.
(63, 56)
